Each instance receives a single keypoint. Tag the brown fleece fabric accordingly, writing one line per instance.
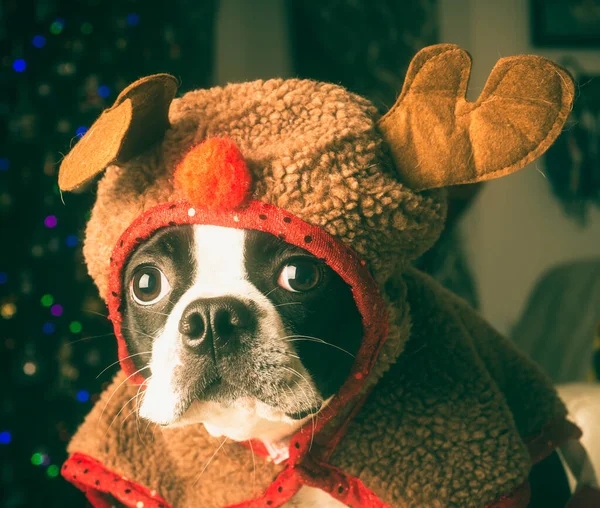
(445, 422)
(314, 150)
(445, 426)
(169, 461)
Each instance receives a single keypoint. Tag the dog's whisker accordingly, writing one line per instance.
(253, 466)
(210, 460)
(95, 313)
(157, 312)
(308, 338)
(139, 331)
(268, 293)
(287, 303)
(90, 338)
(118, 414)
(115, 363)
(118, 387)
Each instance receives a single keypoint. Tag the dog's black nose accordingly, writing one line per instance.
(218, 319)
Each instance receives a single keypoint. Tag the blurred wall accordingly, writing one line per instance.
(516, 230)
(252, 41)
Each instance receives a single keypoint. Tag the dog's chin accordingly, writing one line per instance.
(240, 420)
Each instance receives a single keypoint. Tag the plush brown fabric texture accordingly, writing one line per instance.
(438, 138)
(169, 461)
(314, 150)
(445, 425)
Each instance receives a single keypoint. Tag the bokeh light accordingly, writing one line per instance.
(72, 241)
(37, 459)
(86, 28)
(4, 164)
(83, 395)
(19, 65)
(39, 41)
(5, 437)
(75, 327)
(81, 131)
(48, 328)
(53, 471)
(51, 221)
(3, 277)
(56, 310)
(133, 19)
(29, 368)
(57, 26)
(103, 91)
(47, 300)
(8, 310)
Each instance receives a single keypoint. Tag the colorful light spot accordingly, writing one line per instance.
(29, 368)
(103, 91)
(51, 221)
(3, 277)
(37, 459)
(19, 65)
(57, 26)
(72, 241)
(47, 300)
(4, 164)
(52, 471)
(8, 310)
(56, 310)
(83, 395)
(39, 41)
(75, 327)
(81, 130)
(133, 19)
(87, 28)
(5, 437)
(48, 328)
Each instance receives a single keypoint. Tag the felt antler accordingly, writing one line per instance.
(438, 138)
(137, 119)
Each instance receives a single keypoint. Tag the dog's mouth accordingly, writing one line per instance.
(221, 392)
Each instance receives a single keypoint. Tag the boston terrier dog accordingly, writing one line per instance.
(237, 330)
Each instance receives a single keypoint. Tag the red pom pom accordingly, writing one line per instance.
(214, 175)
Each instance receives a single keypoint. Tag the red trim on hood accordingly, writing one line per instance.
(270, 219)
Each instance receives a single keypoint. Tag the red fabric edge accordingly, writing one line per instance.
(270, 219)
(97, 482)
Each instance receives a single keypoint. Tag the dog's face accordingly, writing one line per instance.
(234, 328)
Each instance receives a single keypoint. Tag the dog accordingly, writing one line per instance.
(239, 331)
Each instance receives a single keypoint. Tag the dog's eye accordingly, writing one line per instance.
(149, 285)
(299, 276)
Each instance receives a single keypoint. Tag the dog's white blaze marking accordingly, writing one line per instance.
(220, 271)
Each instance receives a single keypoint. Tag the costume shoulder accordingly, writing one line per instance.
(449, 422)
(118, 458)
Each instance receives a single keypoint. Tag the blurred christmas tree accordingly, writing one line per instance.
(62, 63)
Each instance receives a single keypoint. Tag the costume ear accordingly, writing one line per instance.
(137, 119)
(438, 138)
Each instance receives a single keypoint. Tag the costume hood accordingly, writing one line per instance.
(316, 166)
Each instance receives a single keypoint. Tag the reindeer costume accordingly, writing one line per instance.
(439, 410)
